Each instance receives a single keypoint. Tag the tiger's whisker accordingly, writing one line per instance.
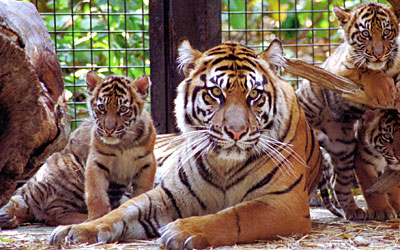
(272, 153)
(288, 148)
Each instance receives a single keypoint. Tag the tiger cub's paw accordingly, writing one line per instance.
(8, 218)
(379, 88)
(81, 233)
(381, 214)
(181, 235)
(356, 214)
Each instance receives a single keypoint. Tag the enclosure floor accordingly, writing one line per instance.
(328, 232)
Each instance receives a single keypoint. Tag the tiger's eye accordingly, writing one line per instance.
(253, 94)
(386, 32)
(365, 33)
(123, 109)
(387, 136)
(216, 91)
(101, 107)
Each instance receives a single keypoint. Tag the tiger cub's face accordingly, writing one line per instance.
(383, 135)
(371, 29)
(226, 101)
(116, 102)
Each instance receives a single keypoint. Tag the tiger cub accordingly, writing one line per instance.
(105, 154)
(244, 170)
(369, 56)
(378, 149)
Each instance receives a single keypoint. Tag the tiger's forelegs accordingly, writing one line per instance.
(96, 185)
(138, 218)
(378, 204)
(341, 146)
(394, 199)
(15, 212)
(246, 222)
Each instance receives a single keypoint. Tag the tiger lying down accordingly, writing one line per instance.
(245, 170)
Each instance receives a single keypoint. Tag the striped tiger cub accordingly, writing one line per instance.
(370, 57)
(105, 154)
(378, 149)
(244, 170)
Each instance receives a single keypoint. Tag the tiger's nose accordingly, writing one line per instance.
(233, 133)
(109, 131)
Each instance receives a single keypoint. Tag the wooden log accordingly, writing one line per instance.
(33, 113)
(385, 182)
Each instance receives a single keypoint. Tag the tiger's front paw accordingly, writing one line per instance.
(379, 88)
(81, 233)
(356, 214)
(182, 235)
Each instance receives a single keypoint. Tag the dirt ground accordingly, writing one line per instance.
(328, 232)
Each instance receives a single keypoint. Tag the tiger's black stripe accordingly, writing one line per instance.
(172, 199)
(289, 188)
(183, 178)
(102, 167)
(263, 181)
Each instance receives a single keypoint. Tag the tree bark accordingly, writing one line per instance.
(34, 121)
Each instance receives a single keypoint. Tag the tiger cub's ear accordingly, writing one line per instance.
(92, 80)
(187, 56)
(142, 84)
(274, 55)
(343, 15)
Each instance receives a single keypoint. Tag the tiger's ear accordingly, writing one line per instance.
(187, 56)
(343, 15)
(274, 54)
(92, 80)
(142, 84)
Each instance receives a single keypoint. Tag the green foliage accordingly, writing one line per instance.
(308, 30)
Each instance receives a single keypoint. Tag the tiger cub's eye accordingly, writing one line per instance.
(386, 32)
(216, 91)
(365, 33)
(387, 136)
(101, 107)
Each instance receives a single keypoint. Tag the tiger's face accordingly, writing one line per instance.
(383, 135)
(227, 98)
(115, 103)
(371, 29)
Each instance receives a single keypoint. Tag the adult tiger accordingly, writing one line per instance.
(369, 56)
(378, 149)
(109, 152)
(245, 170)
